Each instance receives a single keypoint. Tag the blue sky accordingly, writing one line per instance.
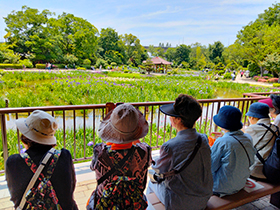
(154, 21)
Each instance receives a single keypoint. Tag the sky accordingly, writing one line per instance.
(156, 21)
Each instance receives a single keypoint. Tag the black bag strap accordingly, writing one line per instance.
(272, 131)
(173, 172)
(116, 166)
(243, 148)
(274, 134)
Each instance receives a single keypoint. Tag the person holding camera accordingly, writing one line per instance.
(182, 177)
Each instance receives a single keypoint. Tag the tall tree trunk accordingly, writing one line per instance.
(261, 68)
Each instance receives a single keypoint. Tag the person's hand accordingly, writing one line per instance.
(215, 135)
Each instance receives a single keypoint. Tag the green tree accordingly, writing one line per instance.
(134, 51)
(216, 52)
(23, 25)
(232, 65)
(152, 50)
(148, 65)
(7, 55)
(233, 53)
(170, 54)
(219, 66)
(108, 41)
(159, 51)
(272, 63)
(251, 38)
(70, 59)
(182, 53)
(74, 35)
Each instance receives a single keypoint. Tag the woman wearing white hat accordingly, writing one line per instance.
(121, 165)
(38, 138)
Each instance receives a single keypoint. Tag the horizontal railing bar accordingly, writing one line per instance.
(96, 106)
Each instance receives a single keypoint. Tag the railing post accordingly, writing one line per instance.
(4, 137)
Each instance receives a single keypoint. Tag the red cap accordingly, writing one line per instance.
(267, 101)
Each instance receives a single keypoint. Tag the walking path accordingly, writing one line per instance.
(243, 79)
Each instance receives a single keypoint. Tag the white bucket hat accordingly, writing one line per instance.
(39, 127)
(123, 125)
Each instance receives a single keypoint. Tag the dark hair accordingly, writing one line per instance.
(31, 143)
(276, 103)
(27, 141)
(188, 108)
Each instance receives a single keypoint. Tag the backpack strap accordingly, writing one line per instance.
(113, 169)
(35, 176)
(116, 166)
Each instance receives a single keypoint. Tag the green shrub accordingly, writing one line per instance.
(256, 78)
(227, 75)
(60, 66)
(81, 68)
(101, 62)
(40, 66)
(276, 84)
(87, 62)
(27, 63)
(86, 66)
(221, 72)
(125, 71)
(10, 66)
(169, 73)
(113, 64)
(268, 75)
(175, 71)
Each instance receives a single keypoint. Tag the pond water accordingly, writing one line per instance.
(69, 121)
(227, 93)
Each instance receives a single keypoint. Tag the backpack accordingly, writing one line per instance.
(122, 192)
(42, 194)
(271, 166)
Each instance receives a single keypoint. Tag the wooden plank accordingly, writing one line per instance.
(240, 198)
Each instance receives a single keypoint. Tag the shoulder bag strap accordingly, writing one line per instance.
(116, 166)
(243, 148)
(274, 134)
(35, 177)
(173, 172)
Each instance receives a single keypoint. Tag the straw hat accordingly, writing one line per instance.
(39, 127)
(123, 125)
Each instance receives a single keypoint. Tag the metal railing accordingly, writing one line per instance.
(79, 123)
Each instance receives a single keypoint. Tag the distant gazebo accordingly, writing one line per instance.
(159, 62)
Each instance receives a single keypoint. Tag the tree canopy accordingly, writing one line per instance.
(42, 36)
